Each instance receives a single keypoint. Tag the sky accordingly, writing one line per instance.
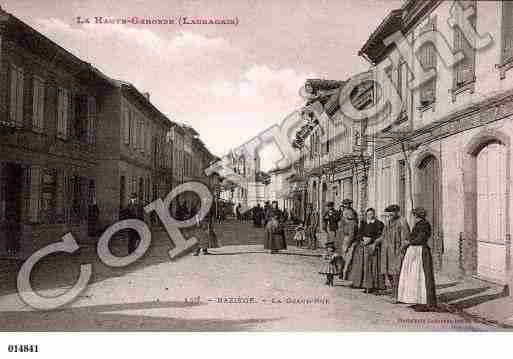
(228, 82)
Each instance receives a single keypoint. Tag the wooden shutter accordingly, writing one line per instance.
(91, 120)
(133, 128)
(35, 193)
(428, 60)
(13, 93)
(59, 111)
(38, 101)
(19, 98)
(3, 188)
(507, 30)
(143, 136)
(465, 69)
(126, 125)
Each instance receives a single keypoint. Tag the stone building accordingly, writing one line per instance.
(51, 105)
(333, 163)
(450, 149)
(132, 151)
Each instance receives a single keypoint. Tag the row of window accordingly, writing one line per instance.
(76, 114)
(137, 130)
(56, 196)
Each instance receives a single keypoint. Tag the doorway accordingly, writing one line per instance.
(491, 211)
(11, 196)
(428, 196)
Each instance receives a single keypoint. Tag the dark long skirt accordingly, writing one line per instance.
(275, 241)
(365, 268)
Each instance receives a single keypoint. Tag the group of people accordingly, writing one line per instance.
(305, 235)
(378, 257)
(203, 229)
(262, 215)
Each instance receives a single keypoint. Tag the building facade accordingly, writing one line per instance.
(132, 153)
(71, 138)
(453, 153)
(50, 107)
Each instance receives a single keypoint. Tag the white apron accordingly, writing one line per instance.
(412, 281)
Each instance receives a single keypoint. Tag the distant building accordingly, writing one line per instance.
(131, 151)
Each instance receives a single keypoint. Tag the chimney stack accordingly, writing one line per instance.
(147, 95)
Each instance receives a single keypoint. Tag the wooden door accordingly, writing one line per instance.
(491, 204)
(429, 198)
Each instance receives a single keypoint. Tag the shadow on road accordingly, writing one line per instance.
(102, 317)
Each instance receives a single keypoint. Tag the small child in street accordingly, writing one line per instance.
(299, 236)
(329, 266)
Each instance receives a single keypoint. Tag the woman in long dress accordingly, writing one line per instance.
(274, 231)
(417, 279)
(366, 263)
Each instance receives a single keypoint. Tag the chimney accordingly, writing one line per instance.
(147, 95)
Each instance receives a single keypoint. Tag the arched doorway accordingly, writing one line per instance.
(428, 196)
(491, 210)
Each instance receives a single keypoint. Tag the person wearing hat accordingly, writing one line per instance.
(365, 269)
(274, 232)
(133, 211)
(331, 219)
(346, 209)
(394, 237)
(311, 223)
(346, 238)
(417, 280)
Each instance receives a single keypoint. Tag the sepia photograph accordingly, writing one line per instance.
(255, 166)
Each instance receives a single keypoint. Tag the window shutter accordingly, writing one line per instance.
(465, 69)
(399, 83)
(507, 30)
(133, 131)
(71, 117)
(91, 123)
(126, 127)
(143, 136)
(19, 99)
(35, 193)
(38, 98)
(41, 105)
(63, 109)
(13, 93)
(3, 184)
(457, 47)
(59, 111)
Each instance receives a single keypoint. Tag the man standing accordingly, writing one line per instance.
(331, 218)
(133, 211)
(92, 218)
(394, 237)
(346, 238)
(311, 223)
(346, 210)
(237, 212)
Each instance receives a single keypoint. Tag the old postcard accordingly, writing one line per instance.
(255, 166)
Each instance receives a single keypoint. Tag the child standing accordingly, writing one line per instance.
(329, 265)
(299, 236)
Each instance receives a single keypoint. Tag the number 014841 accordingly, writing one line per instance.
(22, 348)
